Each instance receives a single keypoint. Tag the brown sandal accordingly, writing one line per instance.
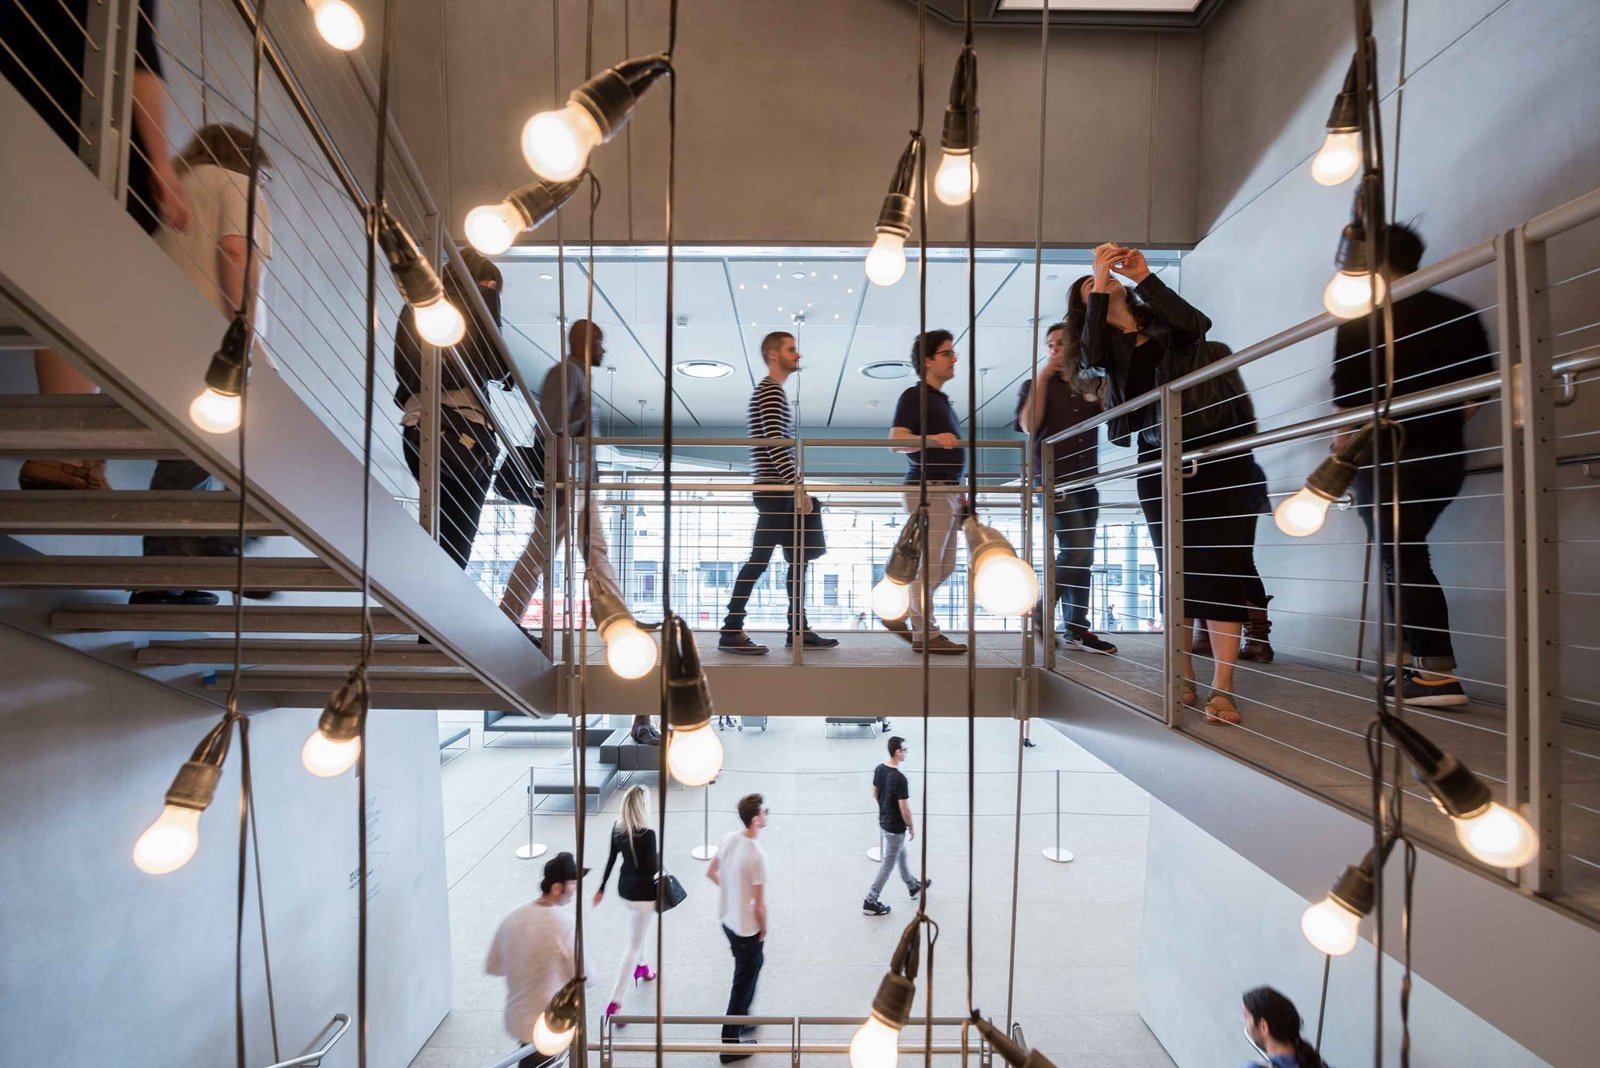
(1221, 710)
(63, 475)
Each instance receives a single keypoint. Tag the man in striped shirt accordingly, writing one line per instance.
(779, 522)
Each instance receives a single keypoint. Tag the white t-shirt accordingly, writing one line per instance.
(533, 949)
(741, 867)
(217, 203)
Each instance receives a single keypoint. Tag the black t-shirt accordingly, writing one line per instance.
(1438, 340)
(944, 465)
(892, 789)
(1064, 406)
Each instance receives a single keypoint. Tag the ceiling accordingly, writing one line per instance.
(1171, 14)
(726, 300)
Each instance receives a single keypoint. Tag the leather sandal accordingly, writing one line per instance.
(1221, 710)
(63, 475)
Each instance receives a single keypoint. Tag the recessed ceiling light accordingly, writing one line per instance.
(763, 285)
(741, 285)
(780, 307)
(706, 368)
(887, 369)
(1049, 278)
(872, 404)
(543, 277)
(850, 289)
(798, 274)
(779, 275)
(836, 315)
(813, 274)
(835, 278)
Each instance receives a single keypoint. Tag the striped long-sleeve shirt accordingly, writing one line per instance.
(770, 417)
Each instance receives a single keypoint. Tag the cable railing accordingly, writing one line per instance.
(796, 1044)
(1506, 621)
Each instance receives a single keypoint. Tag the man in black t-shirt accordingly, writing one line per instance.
(933, 355)
(1061, 398)
(1438, 340)
(893, 795)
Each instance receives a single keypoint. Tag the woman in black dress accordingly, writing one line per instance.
(634, 841)
(1138, 339)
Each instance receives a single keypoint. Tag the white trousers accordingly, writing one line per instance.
(944, 531)
(633, 952)
(534, 562)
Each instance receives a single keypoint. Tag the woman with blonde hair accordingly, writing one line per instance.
(634, 840)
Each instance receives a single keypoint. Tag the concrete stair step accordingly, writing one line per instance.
(218, 619)
(40, 571)
(139, 512)
(82, 426)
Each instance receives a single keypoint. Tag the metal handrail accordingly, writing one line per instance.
(795, 1047)
(514, 1059)
(340, 1022)
(812, 443)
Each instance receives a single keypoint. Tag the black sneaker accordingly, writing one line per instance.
(533, 636)
(870, 907)
(811, 640)
(740, 643)
(186, 597)
(729, 1058)
(1088, 641)
(1433, 691)
(885, 726)
(916, 889)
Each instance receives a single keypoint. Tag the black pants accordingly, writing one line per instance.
(1426, 489)
(467, 453)
(778, 525)
(1218, 535)
(185, 475)
(749, 953)
(1076, 516)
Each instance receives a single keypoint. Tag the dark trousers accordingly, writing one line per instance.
(467, 453)
(1218, 535)
(185, 475)
(749, 954)
(1426, 489)
(1076, 516)
(777, 526)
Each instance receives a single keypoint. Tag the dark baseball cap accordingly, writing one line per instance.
(561, 868)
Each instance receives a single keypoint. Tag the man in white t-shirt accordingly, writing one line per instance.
(535, 949)
(740, 871)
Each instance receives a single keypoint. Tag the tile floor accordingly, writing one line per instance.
(1078, 924)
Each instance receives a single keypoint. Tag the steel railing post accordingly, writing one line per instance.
(1056, 853)
(1047, 517)
(429, 426)
(1172, 626)
(1538, 437)
(532, 849)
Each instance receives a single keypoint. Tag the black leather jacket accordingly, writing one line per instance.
(1175, 329)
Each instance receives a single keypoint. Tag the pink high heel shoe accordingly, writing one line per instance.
(611, 1010)
(642, 972)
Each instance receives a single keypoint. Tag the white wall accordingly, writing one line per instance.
(1500, 121)
(101, 964)
(1215, 926)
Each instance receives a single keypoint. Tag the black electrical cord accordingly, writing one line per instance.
(971, 94)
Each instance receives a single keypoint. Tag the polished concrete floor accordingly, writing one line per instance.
(1078, 924)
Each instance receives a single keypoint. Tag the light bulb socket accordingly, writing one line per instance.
(960, 133)
(1456, 789)
(907, 554)
(1337, 473)
(342, 716)
(537, 201)
(894, 1001)
(230, 364)
(983, 540)
(418, 282)
(1352, 256)
(1014, 1054)
(606, 605)
(688, 696)
(610, 96)
(195, 785)
(1354, 889)
(1346, 114)
(901, 203)
(565, 1009)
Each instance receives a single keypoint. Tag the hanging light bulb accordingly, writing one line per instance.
(171, 841)
(957, 177)
(1355, 287)
(886, 263)
(557, 1025)
(1301, 514)
(438, 321)
(339, 24)
(891, 597)
(335, 745)
(1487, 829)
(1332, 924)
(218, 408)
(493, 228)
(694, 752)
(630, 652)
(1340, 156)
(1002, 582)
(877, 1042)
(557, 143)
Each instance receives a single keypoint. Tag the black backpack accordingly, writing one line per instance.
(520, 479)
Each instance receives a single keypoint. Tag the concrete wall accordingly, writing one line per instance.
(1215, 926)
(100, 963)
(1501, 108)
(791, 117)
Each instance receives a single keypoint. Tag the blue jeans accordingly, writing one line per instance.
(1076, 516)
(894, 850)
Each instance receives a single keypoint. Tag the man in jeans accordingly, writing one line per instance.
(1059, 399)
(893, 795)
(1438, 340)
(739, 869)
(779, 522)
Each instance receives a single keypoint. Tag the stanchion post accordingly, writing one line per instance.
(532, 849)
(875, 854)
(1055, 852)
(705, 850)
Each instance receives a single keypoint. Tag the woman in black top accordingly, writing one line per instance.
(634, 841)
(1139, 339)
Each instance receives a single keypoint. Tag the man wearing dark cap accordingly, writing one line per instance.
(535, 950)
(468, 446)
